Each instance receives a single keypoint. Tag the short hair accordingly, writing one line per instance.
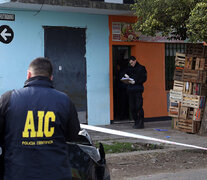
(41, 67)
(132, 58)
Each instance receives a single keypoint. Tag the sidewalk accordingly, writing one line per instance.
(158, 164)
(151, 130)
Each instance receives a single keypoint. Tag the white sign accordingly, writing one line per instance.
(7, 17)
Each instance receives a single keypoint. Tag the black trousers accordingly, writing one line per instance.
(135, 104)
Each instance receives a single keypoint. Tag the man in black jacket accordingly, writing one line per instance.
(138, 73)
(35, 123)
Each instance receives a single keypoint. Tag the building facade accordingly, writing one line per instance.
(79, 38)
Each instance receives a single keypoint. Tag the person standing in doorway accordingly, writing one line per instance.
(135, 88)
(35, 123)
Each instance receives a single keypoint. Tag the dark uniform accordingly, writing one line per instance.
(36, 121)
(139, 74)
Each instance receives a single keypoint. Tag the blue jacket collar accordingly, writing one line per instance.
(39, 81)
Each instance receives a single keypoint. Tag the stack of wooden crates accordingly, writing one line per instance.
(187, 98)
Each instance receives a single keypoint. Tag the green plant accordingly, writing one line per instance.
(119, 147)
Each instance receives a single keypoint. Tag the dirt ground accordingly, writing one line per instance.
(123, 166)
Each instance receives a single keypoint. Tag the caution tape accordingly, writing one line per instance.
(131, 135)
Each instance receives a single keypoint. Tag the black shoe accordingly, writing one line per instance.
(137, 127)
(142, 126)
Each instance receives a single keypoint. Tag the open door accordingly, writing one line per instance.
(121, 100)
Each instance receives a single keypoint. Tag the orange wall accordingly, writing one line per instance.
(152, 56)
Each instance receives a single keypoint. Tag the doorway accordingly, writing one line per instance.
(66, 48)
(121, 100)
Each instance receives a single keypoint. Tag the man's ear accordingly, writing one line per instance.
(29, 74)
(51, 78)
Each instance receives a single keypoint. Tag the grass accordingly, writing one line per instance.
(119, 147)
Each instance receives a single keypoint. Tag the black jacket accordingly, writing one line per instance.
(36, 123)
(139, 74)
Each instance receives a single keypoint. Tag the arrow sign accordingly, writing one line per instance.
(6, 34)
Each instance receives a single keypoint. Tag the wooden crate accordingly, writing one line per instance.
(175, 103)
(186, 113)
(190, 113)
(196, 50)
(173, 112)
(176, 96)
(194, 76)
(189, 61)
(174, 108)
(188, 125)
(196, 89)
(175, 123)
(178, 86)
(178, 75)
(199, 89)
(200, 64)
(193, 101)
(183, 112)
(198, 114)
(180, 60)
(187, 87)
(203, 90)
